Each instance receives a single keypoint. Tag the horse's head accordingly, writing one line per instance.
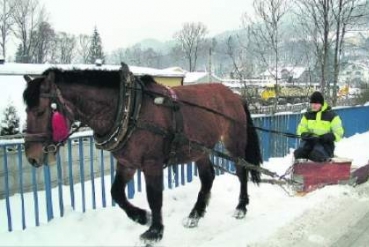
(46, 126)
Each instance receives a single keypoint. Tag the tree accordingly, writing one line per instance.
(95, 49)
(45, 38)
(347, 14)
(190, 39)
(10, 123)
(28, 16)
(6, 22)
(266, 31)
(83, 47)
(325, 23)
(66, 45)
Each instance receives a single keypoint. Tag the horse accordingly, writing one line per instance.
(159, 127)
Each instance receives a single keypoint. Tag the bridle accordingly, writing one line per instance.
(56, 102)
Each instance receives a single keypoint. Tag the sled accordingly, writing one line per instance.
(311, 175)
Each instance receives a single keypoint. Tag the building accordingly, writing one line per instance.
(288, 74)
(355, 74)
(200, 77)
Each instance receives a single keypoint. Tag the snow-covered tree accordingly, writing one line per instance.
(10, 123)
(96, 49)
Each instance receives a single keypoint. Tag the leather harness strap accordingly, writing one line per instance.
(129, 104)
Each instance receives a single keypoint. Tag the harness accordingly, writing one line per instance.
(129, 105)
(51, 146)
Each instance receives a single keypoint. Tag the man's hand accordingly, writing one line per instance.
(328, 137)
(309, 137)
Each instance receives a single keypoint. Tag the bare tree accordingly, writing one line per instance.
(45, 37)
(66, 45)
(84, 47)
(190, 38)
(266, 31)
(347, 14)
(28, 16)
(6, 22)
(325, 23)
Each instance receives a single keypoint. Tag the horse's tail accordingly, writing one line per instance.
(252, 152)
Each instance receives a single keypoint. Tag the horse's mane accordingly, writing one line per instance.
(96, 78)
(32, 92)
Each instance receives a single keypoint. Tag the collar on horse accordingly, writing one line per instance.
(129, 105)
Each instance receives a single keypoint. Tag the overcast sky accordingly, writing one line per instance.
(122, 23)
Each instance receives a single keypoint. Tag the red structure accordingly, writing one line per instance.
(313, 175)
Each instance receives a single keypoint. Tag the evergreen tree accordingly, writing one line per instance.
(10, 123)
(96, 49)
(19, 54)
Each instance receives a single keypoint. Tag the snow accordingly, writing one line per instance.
(37, 69)
(274, 218)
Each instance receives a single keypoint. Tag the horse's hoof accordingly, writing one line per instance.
(240, 213)
(191, 222)
(154, 234)
(141, 217)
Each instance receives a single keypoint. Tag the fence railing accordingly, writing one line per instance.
(81, 177)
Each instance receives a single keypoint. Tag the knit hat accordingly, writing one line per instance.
(317, 97)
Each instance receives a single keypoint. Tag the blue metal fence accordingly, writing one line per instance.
(82, 175)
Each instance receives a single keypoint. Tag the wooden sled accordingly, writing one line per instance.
(311, 175)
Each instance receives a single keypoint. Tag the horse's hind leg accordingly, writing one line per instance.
(243, 199)
(122, 177)
(207, 175)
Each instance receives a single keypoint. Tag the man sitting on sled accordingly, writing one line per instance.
(319, 127)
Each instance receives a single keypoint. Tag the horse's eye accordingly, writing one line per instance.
(40, 113)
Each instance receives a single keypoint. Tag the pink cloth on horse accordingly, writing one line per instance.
(59, 126)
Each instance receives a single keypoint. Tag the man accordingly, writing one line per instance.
(319, 127)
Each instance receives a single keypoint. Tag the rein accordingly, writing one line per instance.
(286, 134)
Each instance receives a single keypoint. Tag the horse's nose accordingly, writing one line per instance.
(33, 162)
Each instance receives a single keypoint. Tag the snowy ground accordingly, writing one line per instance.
(274, 217)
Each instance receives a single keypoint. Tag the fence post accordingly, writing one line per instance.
(6, 180)
(82, 172)
(20, 177)
(92, 173)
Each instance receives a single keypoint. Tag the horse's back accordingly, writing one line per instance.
(212, 111)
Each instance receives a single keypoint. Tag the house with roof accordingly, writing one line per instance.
(287, 74)
(200, 77)
(355, 74)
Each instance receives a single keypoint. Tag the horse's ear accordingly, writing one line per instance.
(51, 77)
(28, 78)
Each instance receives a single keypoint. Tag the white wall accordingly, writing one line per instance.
(11, 90)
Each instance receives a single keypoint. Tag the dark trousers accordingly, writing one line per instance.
(315, 151)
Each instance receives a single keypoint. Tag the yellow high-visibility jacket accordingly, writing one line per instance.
(321, 122)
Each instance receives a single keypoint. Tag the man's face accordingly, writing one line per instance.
(316, 106)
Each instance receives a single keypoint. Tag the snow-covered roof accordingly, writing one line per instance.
(37, 69)
(193, 77)
(296, 72)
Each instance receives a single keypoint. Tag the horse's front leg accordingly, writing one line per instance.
(122, 177)
(153, 171)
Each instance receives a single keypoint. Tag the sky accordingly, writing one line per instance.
(274, 218)
(123, 23)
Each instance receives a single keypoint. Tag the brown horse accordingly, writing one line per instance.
(162, 131)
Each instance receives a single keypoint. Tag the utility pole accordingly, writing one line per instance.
(209, 73)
